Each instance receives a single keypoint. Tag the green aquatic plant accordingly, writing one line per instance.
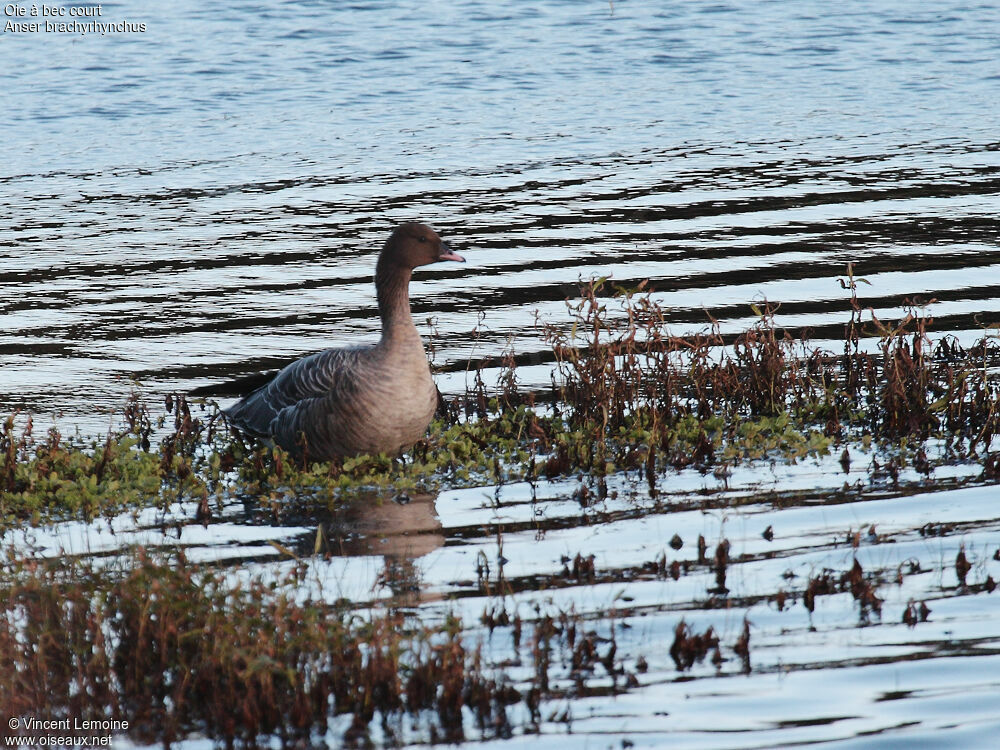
(177, 648)
(623, 373)
(80, 478)
(627, 395)
(58, 477)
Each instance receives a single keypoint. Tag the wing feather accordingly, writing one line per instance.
(308, 378)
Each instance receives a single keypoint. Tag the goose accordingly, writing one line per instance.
(365, 399)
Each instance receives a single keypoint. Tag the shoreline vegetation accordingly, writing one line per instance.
(626, 395)
(177, 648)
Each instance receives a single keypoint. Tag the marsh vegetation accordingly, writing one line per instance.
(247, 653)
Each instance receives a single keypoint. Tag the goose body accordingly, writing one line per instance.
(371, 399)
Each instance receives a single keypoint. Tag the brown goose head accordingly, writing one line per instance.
(412, 245)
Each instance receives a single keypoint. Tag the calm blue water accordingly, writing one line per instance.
(213, 93)
(205, 200)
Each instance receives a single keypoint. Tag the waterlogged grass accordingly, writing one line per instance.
(79, 479)
(178, 649)
(56, 480)
(629, 396)
(174, 649)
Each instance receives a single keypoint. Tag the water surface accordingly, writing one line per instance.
(205, 201)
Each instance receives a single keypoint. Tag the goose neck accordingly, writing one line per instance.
(392, 287)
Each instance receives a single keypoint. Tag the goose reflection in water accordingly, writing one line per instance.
(400, 529)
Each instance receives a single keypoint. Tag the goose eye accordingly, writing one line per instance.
(422, 239)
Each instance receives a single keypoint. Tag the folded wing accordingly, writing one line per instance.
(312, 377)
